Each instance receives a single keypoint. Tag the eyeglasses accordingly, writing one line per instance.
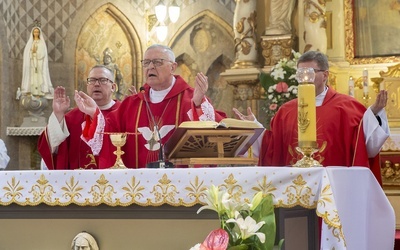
(156, 62)
(319, 70)
(101, 80)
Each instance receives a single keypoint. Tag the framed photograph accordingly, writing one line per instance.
(372, 31)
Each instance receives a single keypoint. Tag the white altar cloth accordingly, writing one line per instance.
(354, 208)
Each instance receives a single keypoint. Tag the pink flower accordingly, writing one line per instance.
(217, 240)
(273, 106)
(281, 87)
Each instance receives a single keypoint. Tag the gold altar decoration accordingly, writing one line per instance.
(306, 118)
(275, 48)
(118, 140)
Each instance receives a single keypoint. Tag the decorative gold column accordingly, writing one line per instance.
(245, 29)
(244, 75)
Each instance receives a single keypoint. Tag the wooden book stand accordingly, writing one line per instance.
(192, 144)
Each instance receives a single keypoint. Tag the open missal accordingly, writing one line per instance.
(209, 142)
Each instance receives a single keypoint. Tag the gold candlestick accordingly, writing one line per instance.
(366, 98)
(307, 149)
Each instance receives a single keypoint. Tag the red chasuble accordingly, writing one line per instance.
(73, 153)
(340, 135)
(134, 117)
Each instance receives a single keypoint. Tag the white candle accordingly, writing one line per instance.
(365, 81)
(351, 86)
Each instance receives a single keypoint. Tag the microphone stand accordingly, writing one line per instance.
(161, 163)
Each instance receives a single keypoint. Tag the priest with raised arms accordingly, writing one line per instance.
(165, 101)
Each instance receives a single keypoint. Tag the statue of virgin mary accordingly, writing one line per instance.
(35, 76)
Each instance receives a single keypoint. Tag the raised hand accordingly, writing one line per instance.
(85, 103)
(61, 103)
(200, 88)
(131, 91)
(249, 117)
(380, 102)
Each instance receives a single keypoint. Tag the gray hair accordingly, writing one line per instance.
(101, 66)
(316, 56)
(168, 50)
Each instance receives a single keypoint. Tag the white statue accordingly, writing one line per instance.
(280, 17)
(35, 74)
(84, 241)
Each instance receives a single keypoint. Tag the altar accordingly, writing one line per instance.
(156, 208)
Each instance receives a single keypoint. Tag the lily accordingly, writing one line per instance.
(248, 227)
(213, 200)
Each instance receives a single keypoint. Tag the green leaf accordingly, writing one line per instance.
(266, 80)
(265, 212)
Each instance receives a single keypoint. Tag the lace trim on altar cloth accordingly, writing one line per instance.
(96, 142)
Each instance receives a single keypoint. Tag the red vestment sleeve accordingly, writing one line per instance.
(90, 126)
(266, 141)
(45, 150)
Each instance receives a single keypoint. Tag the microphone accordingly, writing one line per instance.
(161, 159)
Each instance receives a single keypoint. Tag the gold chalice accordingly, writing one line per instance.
(118, 140)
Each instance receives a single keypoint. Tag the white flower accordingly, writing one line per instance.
(248, 226)
(296, 54)
(278, 73)
(214, 198)
(291, 64)
(256, 200)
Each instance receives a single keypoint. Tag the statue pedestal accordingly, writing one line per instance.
(35, 105)
(276, 47)
(33, 121)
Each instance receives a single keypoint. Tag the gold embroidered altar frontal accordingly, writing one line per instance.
(309, 188)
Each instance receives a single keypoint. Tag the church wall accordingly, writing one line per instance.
(61, 24)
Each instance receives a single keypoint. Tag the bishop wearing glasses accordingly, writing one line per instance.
(151, 116)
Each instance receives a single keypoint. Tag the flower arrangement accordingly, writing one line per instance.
(244, 225)
(280, 85)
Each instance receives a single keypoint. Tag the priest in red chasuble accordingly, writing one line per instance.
(348, 134)
(60, 145)
(164, 102)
